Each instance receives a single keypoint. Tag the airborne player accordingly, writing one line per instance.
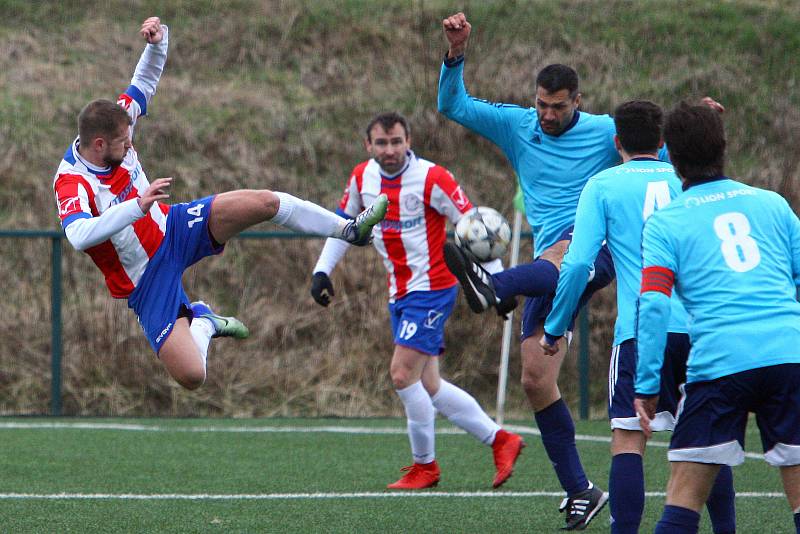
(142, 246)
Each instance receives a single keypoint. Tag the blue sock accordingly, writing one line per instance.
(529, 279)
(558, 437)
(797, 522)
(721, 508)
(626, 489)
(677, 520)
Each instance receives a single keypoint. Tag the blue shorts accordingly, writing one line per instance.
(713, 415)
(537, 309)
(159, 295)
(622, 376)
(418, 319)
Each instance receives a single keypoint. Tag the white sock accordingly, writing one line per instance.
(463, 410)
(420, 415)
(306, 217)
(202, 329)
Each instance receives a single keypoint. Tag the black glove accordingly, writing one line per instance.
(321, 289)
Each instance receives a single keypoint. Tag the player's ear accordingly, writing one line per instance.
(618, 145)
(661, 143)
(367, 145)
(578, 100)
(99, 143)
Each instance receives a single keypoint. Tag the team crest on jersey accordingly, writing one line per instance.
(459, 198)
(412, 204)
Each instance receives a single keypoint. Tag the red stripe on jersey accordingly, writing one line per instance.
(105, 257)
(392, 235)
(119, 179)
(149, 234)
(658, 279)
(358, 176)
(163, 207)
(439, 276)
(67, 191)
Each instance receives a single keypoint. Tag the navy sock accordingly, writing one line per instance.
(721, 508)
(626, 489)
(677, 520)
(558, 437)
(797, 522)
(529, 279)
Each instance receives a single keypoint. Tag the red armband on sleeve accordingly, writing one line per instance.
(658, 279)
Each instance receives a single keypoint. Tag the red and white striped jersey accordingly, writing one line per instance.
(411, 237)
(83, 191)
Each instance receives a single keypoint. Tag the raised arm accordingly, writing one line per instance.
(148, 70)
(493, 121)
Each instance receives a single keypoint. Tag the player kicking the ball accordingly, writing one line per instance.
(422, 292)
(111, 211)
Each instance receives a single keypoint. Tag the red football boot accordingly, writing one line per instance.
(506, 449)
(418, 476)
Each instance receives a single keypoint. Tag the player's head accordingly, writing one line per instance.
(639, 124)
(557, 97)
(104, 129)
(695, 138)
(388, 140)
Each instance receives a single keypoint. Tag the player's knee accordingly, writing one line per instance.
(269, 202)
(191, 379)
(401, 377)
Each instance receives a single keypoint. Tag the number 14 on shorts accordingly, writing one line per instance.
(195, 210)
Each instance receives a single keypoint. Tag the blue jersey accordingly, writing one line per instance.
(735, 254)
(613, 207)
(552, 170)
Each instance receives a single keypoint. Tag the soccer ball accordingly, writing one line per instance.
(484, 233)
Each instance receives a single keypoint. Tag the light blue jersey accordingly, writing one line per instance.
(735, 254)
(613, 207)
(552, 170)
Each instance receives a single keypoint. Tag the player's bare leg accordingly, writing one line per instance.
(540, 372)
(690, 484)
(182, 358)
(791, 485)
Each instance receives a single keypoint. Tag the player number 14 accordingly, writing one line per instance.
(196, 211)
(738, 248)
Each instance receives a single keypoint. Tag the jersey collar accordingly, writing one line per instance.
(687, 185)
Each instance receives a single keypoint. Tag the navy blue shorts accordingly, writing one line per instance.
(622, 376)
(418, 319)
(537, 309)
(713, 415)
(159, 294)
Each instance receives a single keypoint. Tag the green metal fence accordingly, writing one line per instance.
(56, 292)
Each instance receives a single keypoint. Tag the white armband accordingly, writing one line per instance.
(87, 232)
(333, 251)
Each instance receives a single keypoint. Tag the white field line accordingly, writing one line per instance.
(319, 496)
(10, 425)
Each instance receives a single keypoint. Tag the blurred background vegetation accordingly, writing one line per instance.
(275, 94)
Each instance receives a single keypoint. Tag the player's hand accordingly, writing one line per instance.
(646, 410)
(158, 190)
(550, 350)
(322, 289)
(457, 30)
(151, 30)
(713, 104)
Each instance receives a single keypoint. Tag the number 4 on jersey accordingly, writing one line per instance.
(655, 198)
(196, 211)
